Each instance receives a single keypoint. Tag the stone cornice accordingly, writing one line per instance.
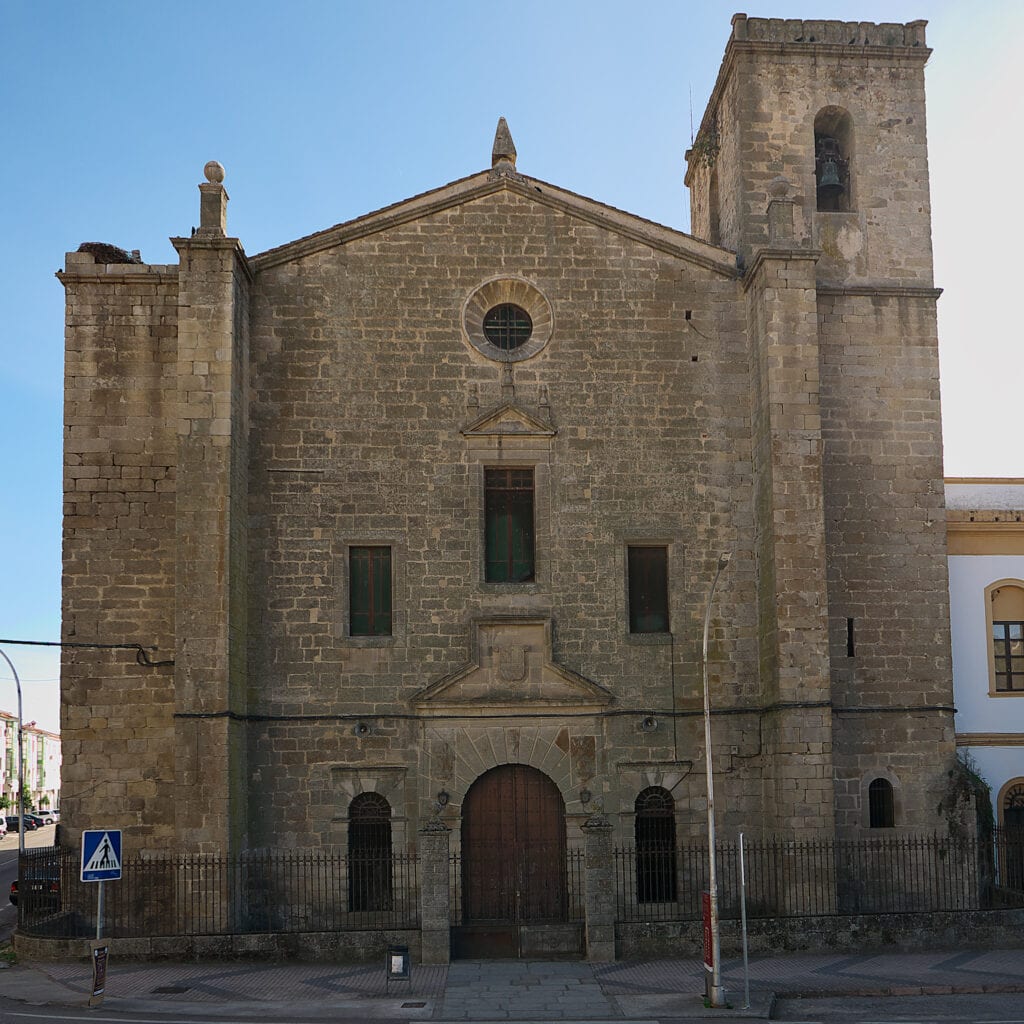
(901, 291)
(118, 273)
(990, 739)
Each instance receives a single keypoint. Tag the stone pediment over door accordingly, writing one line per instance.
(511, 670)
(509, 421)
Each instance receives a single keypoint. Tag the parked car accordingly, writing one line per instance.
(50, 817)
(3, 827)
(41, 888)
(30, 823)
(37, 818)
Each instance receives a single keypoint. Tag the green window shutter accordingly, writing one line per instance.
(381, 596)
(370, 591)
(648, 589)
(508, 526)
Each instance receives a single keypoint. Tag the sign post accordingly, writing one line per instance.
(101, 862)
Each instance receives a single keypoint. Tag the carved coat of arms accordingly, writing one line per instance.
(511, 662)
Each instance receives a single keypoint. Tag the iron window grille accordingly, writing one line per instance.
(369, 853)
(370, 591)
(655, 836)
(507, 326)
(648, 589)
(509, 544)
(881, 806)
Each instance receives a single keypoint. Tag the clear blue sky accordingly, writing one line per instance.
(322, 111)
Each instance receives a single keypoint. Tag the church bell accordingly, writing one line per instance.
(829, 171)
(830, 176)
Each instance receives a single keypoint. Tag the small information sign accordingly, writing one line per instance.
(709, 954)
(99, 974)
(101, 855)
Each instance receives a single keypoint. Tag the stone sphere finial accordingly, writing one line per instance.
(780, 187)
(214, 172)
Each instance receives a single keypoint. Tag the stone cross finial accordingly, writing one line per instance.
(503, 152)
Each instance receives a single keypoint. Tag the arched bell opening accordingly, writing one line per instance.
(833, 154)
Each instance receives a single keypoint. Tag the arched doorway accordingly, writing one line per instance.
(513, 872)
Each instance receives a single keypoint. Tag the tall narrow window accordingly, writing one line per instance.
(508, 503)
(1008, 652)
(648, 589)
(655, 834)
(1005, 600)
(370, 591)
(881, 806)
(369, 853)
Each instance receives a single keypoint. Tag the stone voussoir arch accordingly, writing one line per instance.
(477, 751)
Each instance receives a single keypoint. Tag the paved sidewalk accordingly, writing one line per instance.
(510, 990)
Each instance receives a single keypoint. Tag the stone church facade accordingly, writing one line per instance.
(419, 514)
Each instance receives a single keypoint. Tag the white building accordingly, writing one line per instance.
(985, 521)
(42, 759)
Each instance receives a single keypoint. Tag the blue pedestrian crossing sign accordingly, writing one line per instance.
(101, 855)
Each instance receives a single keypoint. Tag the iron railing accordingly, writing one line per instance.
(256, 892)
(891, 875)
(327, 891)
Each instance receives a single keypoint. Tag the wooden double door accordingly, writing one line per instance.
(514, 881)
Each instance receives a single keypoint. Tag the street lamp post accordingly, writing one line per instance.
(21, 760)
(717, 993)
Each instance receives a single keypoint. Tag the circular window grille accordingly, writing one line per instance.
(507, 319)
(507, 326)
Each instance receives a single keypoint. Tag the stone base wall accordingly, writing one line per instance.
(981, 929)
(906, 933)
(308, 947)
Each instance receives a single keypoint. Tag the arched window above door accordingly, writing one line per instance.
(369, 853)
(655, 836)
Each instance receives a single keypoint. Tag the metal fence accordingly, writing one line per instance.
(260, 892)
(890, 875)
(329, 891)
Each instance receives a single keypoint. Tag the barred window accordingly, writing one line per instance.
(369, 853)
(507, 326)
(648, 589)
(655, 836)
(508, 515)
(370, 591)
(881, 805)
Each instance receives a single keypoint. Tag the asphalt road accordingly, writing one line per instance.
(1004, 1008)
(963, 1009)
(9, 871)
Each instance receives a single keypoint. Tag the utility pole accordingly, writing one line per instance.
(717, 992)
(21, 762)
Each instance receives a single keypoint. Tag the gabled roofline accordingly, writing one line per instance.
(464, 190)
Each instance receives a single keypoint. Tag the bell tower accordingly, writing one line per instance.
(837, 108)
(811, 164)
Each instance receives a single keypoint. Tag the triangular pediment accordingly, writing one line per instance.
(512, 669)
(479, 186)
(508, 420)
